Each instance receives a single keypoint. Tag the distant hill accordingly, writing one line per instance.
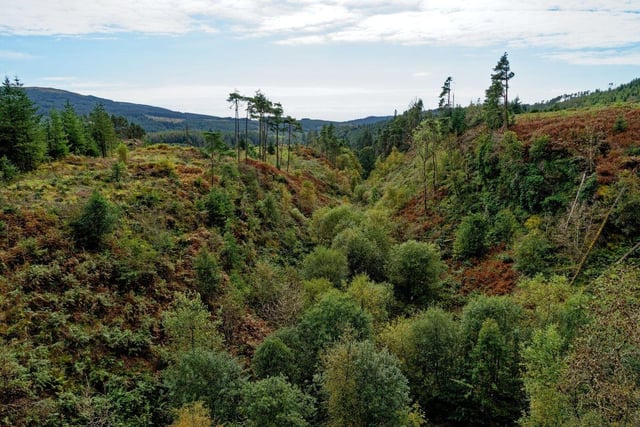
(156, 119)
(627, 92)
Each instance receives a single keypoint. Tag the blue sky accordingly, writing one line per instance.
(338, 60)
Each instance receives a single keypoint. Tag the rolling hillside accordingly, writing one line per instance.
(156, 119)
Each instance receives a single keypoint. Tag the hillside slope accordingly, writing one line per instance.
(156, 119)
(489, 278)
(79, 325)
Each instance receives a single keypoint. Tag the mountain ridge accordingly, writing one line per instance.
(158, 119)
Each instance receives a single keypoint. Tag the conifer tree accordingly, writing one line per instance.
(21, 138)
(102, 130)
(57, 141)
(499, 89)
(74, 129)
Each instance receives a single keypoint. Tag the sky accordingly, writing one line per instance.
(333, 60)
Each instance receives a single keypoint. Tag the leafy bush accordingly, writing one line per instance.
(364, 386)
(328, 222)
(533, 253)
(414, 269)
(207, 273)
(335, 315)
(470, 237)
(375, 298)
(325, 263)
(192, 415)
(188, 326)
(273, 357)
(274, 402)
(118, 171)
(123, 153)
(314, 289)
(212, 377)
(503, 228)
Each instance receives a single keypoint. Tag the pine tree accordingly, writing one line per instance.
(102, 130)
(57, 140)
(500, 89)
(74, 129)
(445, 97)
(21, 138)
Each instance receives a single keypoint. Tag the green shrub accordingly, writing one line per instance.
(118, 171)
(275, 402)
(212, 377)
(335, 315)
(364, 386)
(325, 263)
(8, 171)
(470, 237)
(503, 228)
(273, 357)
(620, 125)
(533, 253)
(328, 222)
(123, 153)
(414, 269)
(315, 288)
(207, 273)
(363, 255)
(219, 207)
(375, 298)
(268, 208)
(188, 326)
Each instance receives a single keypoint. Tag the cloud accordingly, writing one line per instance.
(603, 57)
(567, 25)
(13, 55)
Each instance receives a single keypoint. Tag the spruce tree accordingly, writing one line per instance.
(102, 130)
(21, 138)
(57, 140)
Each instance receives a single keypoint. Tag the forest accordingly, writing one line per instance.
(466, 266)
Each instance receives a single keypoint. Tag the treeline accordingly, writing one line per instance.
(27, 140)
(373, 142)
(627, 92)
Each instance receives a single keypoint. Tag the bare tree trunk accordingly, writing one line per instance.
(575, 201)
(277, 145)
(595, 239)
(289, 149)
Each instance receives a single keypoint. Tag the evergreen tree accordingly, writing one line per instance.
(96, 221)
(499, 90)
(74, 129)
(445, 97)
(57, 141)
(102, 130)
(235, 98)
(493, 114)
(21, 139)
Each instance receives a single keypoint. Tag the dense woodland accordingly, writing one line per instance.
(467, 266)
